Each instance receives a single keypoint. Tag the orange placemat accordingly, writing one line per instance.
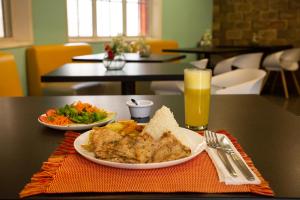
(68, 172)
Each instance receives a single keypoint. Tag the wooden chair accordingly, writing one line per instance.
(10, 84)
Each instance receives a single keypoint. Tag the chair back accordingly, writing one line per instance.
(240, 81)
(157, 46)
(248, 61)
(10, 84)
(223, 66)
(243, 61)
(46, 58)
(201, 64)
(290, 58)
(272, 61)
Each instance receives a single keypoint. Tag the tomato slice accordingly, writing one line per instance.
(43, 118)
(51, 112)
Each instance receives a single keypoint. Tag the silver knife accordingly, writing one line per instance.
(226, 162)
(236, 159)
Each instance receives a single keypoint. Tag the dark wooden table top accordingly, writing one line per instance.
(74, 72)
(210, 50)
(132, 57)
(230, 49)
(258, 46)
(268, 134)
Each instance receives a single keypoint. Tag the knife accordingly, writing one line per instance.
(236, 159)
(222, 155)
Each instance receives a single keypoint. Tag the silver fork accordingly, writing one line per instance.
(213, 142)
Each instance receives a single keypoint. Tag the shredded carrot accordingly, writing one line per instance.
(59, 120)
(79, 106)
(53, 118)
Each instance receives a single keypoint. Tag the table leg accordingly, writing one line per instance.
(209, 63)
(128, 87)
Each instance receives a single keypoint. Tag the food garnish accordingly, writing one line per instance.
(77, 112)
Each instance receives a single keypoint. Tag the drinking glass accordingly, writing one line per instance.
(197, 98)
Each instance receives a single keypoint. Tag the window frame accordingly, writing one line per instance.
(6, 18)
(155, 24)
(20, 33)
(2, 31)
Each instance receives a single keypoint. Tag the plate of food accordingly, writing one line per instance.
(76, 116)
(127, 144)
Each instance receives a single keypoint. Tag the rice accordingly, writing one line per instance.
(163, 121)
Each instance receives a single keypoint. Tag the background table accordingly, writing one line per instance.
(268, 134)
(132, 57)
(132, 72)
(207, 52)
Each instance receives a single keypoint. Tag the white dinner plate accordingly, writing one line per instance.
(76, 127)
(191, 139)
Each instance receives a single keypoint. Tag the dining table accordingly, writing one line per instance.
(133, 57)
(209, 51)
(266, 132)
(132, 72)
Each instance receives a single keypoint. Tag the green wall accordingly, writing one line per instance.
(186, 20)
(49, 21)
(183, 20)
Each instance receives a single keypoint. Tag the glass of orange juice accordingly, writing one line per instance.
(197, 98)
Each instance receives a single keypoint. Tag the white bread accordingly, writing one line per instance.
(162, 121)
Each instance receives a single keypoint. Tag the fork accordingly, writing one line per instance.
(213, 142)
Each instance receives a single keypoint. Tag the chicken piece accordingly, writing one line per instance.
(169, 148)
(144, 148)
(125, 149)
(104, 141)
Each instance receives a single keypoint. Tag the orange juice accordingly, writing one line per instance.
(197, 98)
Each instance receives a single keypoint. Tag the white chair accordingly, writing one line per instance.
(173, 87)
(201, 64)
(240, 81)
(243, 61)
(223, 66)
(281, 61)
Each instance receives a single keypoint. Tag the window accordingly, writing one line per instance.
(15, 23)
(107, 18)
(5, 19)
(1, 20)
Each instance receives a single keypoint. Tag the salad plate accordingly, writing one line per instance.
(77, 126)
(191, 139)
(76, 116)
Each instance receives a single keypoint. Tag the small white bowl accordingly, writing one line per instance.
(142, 110)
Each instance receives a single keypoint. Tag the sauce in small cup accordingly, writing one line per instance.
(142, 110)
